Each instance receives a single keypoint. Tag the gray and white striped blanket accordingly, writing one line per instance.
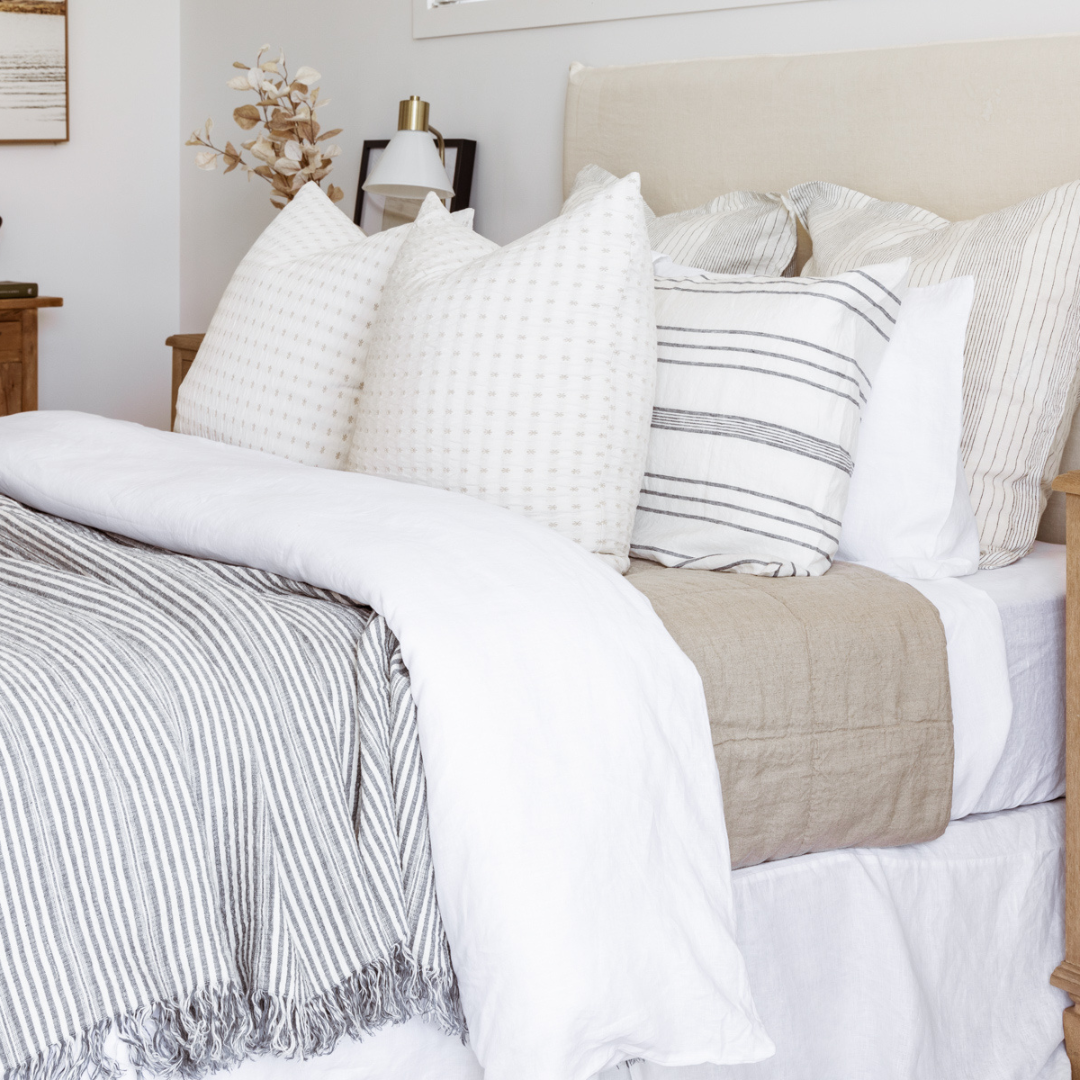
(213, 815)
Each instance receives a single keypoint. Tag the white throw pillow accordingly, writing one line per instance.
(908, 511)
(760, 386)
(521, 375)
(1023, 342)
(282, 363)
(743, 232)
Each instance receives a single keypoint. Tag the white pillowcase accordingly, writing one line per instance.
(282, 363)
(665, 266)
(742, 232)
(522, 375)
(760, 386)
(908, 511)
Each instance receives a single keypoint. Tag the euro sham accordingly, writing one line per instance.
(521, 375)
(742, 232)
(1023, 339)
(282, 362)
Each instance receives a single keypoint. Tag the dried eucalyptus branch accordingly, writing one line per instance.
(292, 149)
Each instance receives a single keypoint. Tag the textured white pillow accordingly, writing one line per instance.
(908, 510)
(1023, 342)
(521, 375)
(760, 386)
(283, 360)
(743, 232)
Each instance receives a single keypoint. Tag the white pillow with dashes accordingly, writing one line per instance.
(521, 375)
(282, 363)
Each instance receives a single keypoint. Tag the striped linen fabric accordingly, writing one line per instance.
(1023, 341)
(215, 831)
(742, 232)
(760, 388)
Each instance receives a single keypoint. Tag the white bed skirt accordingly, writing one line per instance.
(927, 962)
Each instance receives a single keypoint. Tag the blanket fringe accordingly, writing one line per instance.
(216, 1029)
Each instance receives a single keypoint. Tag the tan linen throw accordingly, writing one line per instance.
(829, 704)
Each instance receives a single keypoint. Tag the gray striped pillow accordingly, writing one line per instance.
(759, 391)
(1020, 361)
(743, 232)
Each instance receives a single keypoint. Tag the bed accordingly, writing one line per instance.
(930, 959)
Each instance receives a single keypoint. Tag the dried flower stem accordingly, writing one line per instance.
(289, 149)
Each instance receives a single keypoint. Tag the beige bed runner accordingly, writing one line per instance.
(829, 704)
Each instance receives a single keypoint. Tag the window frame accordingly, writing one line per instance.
(487, 16)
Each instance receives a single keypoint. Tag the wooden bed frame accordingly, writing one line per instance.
(960, 129)
(1067, 976)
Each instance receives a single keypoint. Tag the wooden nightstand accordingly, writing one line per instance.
(184, 347)
(18, 352)
(1067, 976)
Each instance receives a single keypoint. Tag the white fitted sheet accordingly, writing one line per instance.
(1030, 595)
(930, 962)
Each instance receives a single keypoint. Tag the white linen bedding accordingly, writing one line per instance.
(1030, 595)
(554, 710)
(929, 962)
(1005, 630)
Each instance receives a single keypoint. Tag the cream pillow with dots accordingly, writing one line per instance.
(282, 363)
(520, 375)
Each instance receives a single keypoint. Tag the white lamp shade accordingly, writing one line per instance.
(409, 168)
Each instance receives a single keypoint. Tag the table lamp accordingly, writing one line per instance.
(411, 166)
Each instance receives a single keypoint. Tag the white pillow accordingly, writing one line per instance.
(521, 375)
(760, 386)
(908, 510)
(1023, 342)
(743, 232)
(665, 266)
(282, 363)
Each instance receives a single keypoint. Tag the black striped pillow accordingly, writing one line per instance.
(760, 388)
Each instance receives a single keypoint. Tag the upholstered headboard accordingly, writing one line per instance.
(959, 129)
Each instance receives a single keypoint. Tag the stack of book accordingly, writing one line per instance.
(18, 290)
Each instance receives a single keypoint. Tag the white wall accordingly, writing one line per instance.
(506, 90)
(96, 220)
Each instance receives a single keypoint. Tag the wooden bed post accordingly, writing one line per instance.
(1067, 976)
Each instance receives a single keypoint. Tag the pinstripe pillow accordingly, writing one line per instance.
(743, 232)
(760, 387)
(1020, 361)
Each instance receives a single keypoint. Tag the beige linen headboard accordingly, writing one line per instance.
(959, 129)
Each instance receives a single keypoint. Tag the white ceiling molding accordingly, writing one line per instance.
(484, 16)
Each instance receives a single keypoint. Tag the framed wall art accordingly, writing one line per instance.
(33, 71)
(374, 213)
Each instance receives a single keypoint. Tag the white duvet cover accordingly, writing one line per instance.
(577, 828)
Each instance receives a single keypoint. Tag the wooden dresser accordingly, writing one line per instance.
(18, 352)
(184, 347)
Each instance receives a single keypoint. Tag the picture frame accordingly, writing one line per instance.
(374, 213)
(34, 98)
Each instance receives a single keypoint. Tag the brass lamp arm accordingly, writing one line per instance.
(442, 143)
